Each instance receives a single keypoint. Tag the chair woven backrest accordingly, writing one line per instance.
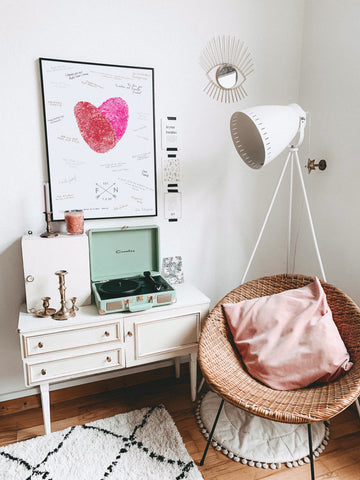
(225, 373)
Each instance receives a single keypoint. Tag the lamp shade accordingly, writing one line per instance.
(261, 133)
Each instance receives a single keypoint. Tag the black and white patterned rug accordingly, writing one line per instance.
(143, 445)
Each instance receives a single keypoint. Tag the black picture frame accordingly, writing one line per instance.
(99, 122)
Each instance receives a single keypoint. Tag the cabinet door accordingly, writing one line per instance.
(150, 339)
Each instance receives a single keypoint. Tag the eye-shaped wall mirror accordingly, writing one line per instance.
(227, 63)
(227, 76)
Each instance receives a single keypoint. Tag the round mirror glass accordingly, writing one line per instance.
(227, 76)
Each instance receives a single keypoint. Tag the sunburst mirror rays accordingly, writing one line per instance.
(227, 63)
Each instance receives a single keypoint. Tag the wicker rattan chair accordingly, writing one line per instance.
(225, 374)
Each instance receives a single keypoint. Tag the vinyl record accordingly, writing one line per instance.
(119, 287)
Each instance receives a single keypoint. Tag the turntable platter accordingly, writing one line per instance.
(119, 287)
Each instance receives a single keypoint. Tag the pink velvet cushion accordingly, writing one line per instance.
(289, 340)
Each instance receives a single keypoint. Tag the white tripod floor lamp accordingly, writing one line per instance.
(260, 134)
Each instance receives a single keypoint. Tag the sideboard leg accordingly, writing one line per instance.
(177, 367)
(45, 404)
(193, 368)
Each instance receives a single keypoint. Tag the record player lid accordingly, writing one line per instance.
(123, 252)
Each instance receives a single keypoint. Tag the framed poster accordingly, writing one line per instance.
(100, 138)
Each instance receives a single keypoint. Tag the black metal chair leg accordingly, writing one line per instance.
(311, 453)
(212, 432)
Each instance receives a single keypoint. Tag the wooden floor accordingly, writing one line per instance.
(22, 419)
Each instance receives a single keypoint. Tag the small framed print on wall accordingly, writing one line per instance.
(100, 138)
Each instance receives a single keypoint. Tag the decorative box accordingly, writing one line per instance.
(42, 257)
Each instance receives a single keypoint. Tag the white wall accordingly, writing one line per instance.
(223, 200)
(329, 89)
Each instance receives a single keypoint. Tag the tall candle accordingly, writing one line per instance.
(46, 197)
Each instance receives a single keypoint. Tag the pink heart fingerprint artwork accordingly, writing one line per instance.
(102, 127)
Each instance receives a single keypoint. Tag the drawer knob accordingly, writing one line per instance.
(108, 359)
(107, 334)
(40, 345)
(43, 371)
(129, 334)
(30, 278)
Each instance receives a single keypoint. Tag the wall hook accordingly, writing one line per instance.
(311, 165)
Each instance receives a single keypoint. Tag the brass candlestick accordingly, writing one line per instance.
(73, 308)
(46, 311)
(64, 313)
(48, 233)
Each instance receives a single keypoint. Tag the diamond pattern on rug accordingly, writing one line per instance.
(143, 445)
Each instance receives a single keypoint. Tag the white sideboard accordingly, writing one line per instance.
(88, 344)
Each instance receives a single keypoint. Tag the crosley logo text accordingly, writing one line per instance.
(125, 251)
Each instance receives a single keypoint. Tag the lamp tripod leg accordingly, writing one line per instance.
(288, 257)
(267, 216)
(309, 215)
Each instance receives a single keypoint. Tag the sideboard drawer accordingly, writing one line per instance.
(79, 365)
(51, 342)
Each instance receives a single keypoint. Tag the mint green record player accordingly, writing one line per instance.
(124, 265)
